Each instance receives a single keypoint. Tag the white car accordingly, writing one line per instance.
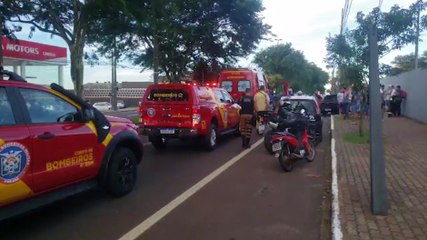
(102, 106)
(121, 104)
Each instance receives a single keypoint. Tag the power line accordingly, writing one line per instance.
(345, 14)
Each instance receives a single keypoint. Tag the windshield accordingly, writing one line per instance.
(227, 85)
(243, 85)
(331, 98)
(309, 105)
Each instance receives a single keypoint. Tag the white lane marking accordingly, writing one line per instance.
(336, 223)
(153, 219)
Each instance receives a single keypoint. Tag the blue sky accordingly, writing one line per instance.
(304, 23)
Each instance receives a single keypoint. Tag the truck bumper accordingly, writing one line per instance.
(180, 133)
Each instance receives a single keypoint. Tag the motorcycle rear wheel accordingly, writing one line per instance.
(311, 155)
(285, 160)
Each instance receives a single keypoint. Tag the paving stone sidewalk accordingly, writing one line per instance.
(406, 169)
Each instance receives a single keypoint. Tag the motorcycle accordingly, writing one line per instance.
(285, 143)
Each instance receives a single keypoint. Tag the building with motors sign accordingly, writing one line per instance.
(21, 53)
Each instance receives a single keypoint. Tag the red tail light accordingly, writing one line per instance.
(196, 117)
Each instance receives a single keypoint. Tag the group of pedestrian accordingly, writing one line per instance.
(393, 97)
(357, 102)
(251, 106)
(354, 102)
(344, 100)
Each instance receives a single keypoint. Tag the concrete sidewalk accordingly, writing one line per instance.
(406, 166)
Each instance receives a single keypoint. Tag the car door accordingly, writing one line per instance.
(222, 107)
(64, 146)
(233, 116)
(16, 152)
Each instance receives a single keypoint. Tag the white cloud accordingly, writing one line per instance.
(307, 23)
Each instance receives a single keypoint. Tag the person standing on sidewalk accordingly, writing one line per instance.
(382, 93)
(340, 96)
(246, 115)
(346, 102)
(387, 98)
(396, 99)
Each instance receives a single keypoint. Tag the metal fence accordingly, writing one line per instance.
(415, 84)
(131, 96)
(122, 93)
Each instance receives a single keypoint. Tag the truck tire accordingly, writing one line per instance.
(122, 172)
(211, 139)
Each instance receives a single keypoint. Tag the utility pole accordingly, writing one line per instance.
(379, 198)
(114, 77)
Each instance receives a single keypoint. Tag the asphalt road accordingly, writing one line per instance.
(253, 199)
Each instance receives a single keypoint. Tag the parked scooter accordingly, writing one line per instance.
(290, 140)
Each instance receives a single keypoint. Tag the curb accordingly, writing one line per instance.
(336, 223)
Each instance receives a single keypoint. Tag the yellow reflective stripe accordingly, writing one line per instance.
(91, 125)
(64, 98)
(107, 139)
(10, 193)
(222, 114)
(114, 124)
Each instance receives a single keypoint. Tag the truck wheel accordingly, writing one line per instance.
(158, 142)
(211, 138)
(122, 172)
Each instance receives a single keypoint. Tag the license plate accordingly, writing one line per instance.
(277, 147)
(328, 109)
(167, 131)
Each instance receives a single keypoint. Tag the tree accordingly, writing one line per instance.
(406, 63)
(205, 71)
(349, 52)
(350, 49)
(285, 63)
(69, 20)
(6, 30)
(189, 31)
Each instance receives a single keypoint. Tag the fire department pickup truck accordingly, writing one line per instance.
(187, 111)
(53, 145)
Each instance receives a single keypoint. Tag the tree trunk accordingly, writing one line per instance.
(76, 47)
(77, 68)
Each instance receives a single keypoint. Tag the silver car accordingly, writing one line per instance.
(102, 106)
